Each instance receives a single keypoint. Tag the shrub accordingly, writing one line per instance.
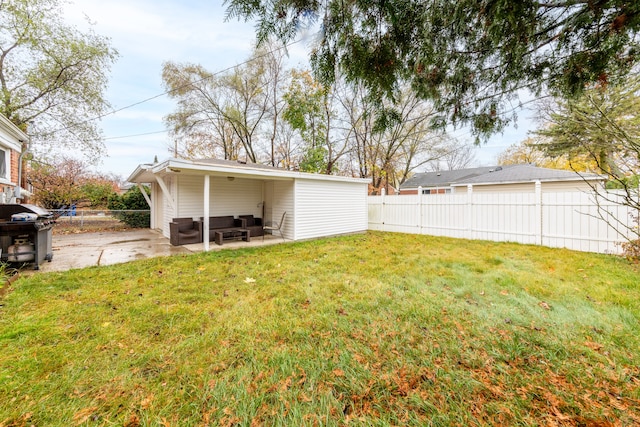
(631, 249)
(131, 200)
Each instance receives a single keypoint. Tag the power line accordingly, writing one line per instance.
(422, 117)
(135, 104)
(135, 135)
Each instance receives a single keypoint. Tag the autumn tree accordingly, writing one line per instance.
(199, 126)
(310, 110)
(246, 105)
(531, 150)
(226, 115)
(469, 57)
(453, 155)
(275, 78)
(52, 77)
(388, 147)
(602, 124)
(64, 181)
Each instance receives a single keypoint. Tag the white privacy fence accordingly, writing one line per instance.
(574, 220)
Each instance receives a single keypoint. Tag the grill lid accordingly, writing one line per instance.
(6, 211)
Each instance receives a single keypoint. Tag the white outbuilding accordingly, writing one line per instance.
(316, 205)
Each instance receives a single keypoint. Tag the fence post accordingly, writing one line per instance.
(538, 213)
(382, 194)
(470, 211)
(419, 209)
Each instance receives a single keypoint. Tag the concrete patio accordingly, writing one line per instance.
(106, 248)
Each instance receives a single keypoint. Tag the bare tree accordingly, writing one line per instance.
(389, 151)
(275, 79)
(198, 126)
(225, 115)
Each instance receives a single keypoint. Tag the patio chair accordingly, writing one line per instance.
(275, 227)
(183, 231)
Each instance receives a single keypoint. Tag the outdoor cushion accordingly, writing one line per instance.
(253, 224)
(184, 226)
(226, 223)
(222, 222)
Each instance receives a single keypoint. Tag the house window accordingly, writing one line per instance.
(3, 164)
(436, 191)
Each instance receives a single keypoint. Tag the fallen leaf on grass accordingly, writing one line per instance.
(133, 421)
(338, 372)
(544, 305)
(249, 280)
(83, 415)
(146, 402)
(593, 345)
(304, 398)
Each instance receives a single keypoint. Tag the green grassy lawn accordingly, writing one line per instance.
(372, 329)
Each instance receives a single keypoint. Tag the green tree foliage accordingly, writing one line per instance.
(603, 124)
(469, 57)
(299, 123)
(52, 76)
(532, 151)
(308, 112)
(97, 191)
(132, 200)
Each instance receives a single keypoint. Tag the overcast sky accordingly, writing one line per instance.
(147, 33)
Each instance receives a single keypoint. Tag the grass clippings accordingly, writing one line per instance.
(374, 329)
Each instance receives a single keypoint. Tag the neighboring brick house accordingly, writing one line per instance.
(509, 178)
(439, 182)
(12, 140)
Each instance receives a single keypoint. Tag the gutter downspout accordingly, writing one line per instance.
(24, 151)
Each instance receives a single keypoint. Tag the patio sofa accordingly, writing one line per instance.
(227, 227)
(254, 225)
(184, 231)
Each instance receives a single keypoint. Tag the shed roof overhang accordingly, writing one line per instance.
(149, 172)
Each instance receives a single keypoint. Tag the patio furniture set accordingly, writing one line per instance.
(183, 231)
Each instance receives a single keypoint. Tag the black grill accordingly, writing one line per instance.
(25, 234)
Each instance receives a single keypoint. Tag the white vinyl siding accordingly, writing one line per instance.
(527, 187)
(237, 197)
(326, 208)
(228, 197)
(278, 198)
(315, 207)
(189, 199)
(168, 211)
